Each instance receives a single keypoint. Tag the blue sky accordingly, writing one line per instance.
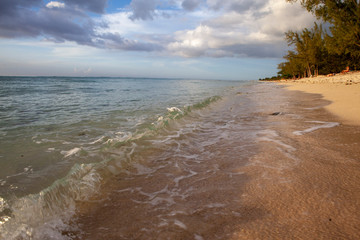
(207, 39)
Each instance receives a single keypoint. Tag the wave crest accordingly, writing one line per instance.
(46, 214)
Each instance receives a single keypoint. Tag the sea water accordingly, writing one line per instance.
(62, 137)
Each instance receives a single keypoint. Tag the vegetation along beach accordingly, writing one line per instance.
(143, 119)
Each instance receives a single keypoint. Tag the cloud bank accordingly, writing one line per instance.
(186, 28)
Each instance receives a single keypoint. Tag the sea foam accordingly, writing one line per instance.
(314, 128)
(70, 152)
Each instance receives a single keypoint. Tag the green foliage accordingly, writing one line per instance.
(308, 55)
(319, 52)
(273, 78)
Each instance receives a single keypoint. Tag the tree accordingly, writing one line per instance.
(344, 19)
(309, 46)
(292, 68)
(316, 51)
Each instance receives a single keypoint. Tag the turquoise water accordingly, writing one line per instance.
(58, 136)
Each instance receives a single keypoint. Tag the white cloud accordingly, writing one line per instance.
(192, 43)
(120, 23)
(224, 28)
(283, 17)
(248, 33)
(54, 4)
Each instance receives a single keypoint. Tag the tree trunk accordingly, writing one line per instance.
(308, 70)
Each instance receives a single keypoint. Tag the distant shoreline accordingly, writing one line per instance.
(343, 90)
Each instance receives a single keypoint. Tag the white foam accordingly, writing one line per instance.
(270, 135)
(3, 204)
(163, 224)
(198, 237)
(141, 169)
(125, 136)
(50, 149)
(70, 152)
(180, 224)
(27, 170)
(314, 128)
(159, 200)
(178, 179)
(2, 183)
(173, 213)
(174, 109)
(277, 142)
(46, 215)
(98, 140)
(314, 108)
(268, 132)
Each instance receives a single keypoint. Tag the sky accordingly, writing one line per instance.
(202, 39)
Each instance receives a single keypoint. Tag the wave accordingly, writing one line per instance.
(164, 121)
(48, 214)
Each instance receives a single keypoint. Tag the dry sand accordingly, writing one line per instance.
(343, 90)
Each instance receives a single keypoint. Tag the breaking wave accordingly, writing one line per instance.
(48, 214)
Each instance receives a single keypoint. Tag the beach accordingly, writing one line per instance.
(316, 198)
(343, 90)
(247, 160)
(163, 120)
(279, 166)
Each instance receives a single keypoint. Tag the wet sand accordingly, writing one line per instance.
(267, 163)
(317, 195)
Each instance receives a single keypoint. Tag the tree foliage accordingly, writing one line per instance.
(319, 51)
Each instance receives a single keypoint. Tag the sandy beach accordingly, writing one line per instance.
(343, 90)
(267, 163)
(179, 120)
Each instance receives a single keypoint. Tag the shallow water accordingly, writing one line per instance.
(60, 138)
(258, 163)
(187, 182)
(236, 170)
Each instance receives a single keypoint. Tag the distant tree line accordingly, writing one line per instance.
(324, 50)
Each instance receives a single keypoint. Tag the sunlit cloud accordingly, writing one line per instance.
(189, 28)
(155, 29)
(54, 4)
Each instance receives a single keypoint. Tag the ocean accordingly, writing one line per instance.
(62, 137)
(142, 158)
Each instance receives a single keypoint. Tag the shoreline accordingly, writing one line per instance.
(244, 173)
(306, 184)
(342, 90)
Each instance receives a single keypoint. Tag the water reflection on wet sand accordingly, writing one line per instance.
(237, 171)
